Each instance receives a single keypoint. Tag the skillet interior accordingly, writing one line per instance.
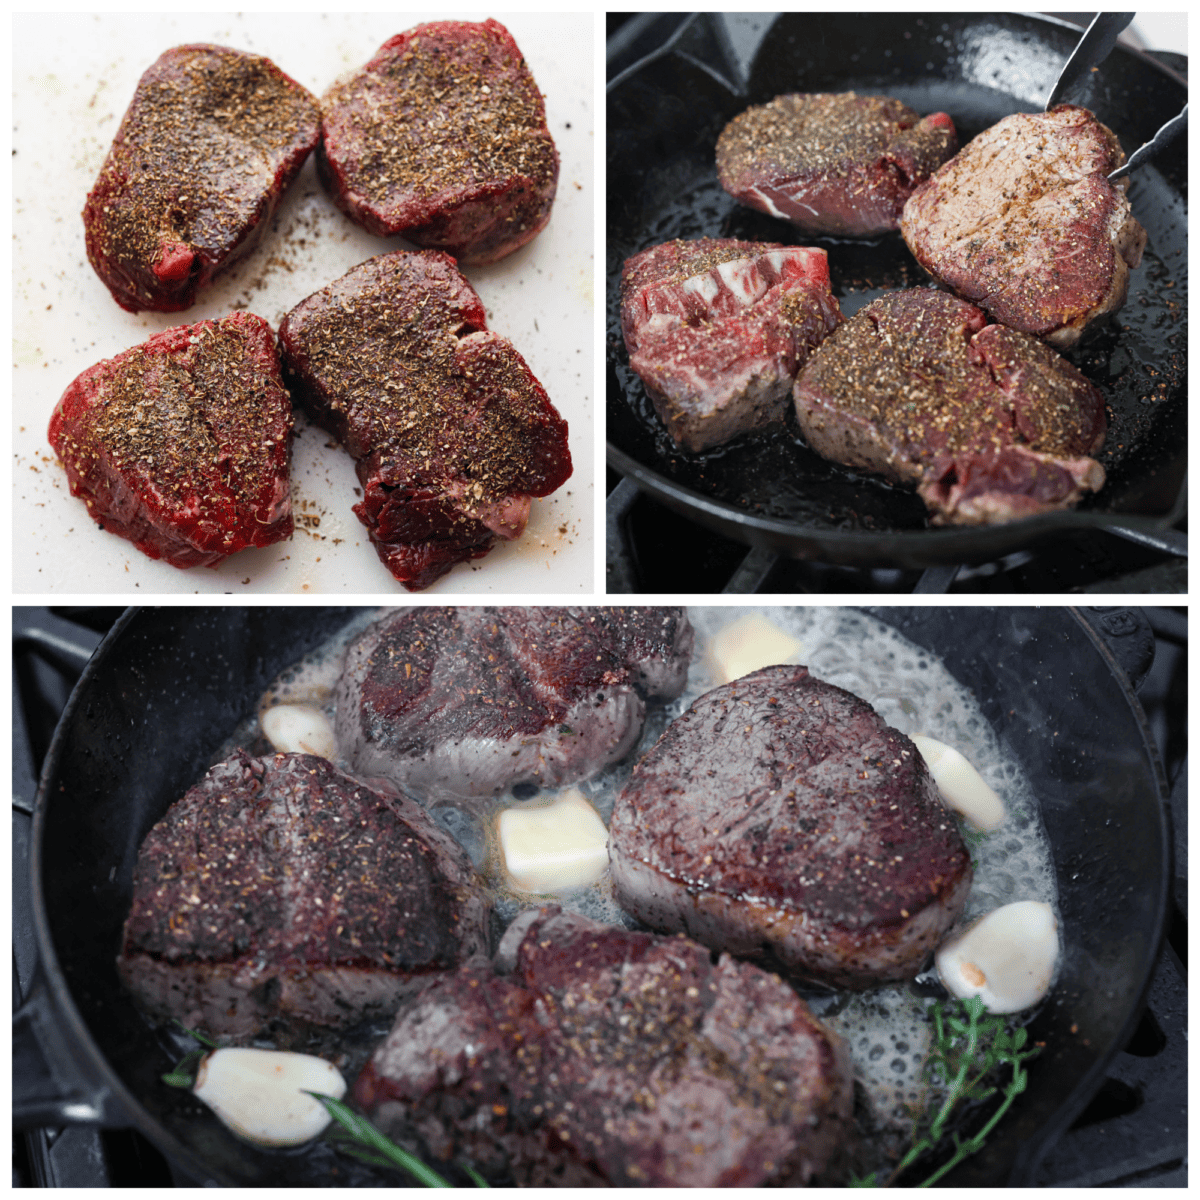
(664, 118)
(168, 686)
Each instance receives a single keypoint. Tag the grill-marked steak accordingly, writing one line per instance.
(832, 163)
(718, 328)
(466, 701)
(591, 1055)
(989, 424)
(1024, 223)
(183, 444)
(451, 434)
(781, 818)
(206, 148)
(280, 891)
(442, 137)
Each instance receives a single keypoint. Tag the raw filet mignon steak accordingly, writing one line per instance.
(832, 163)
(206, 148)
(451, 434)
(442, 138)
(718, 328)
(1024, 222)
(989, 424)
(781, 818)
(590, 1055)
(280, 893)
(183, 444)
(464, 702)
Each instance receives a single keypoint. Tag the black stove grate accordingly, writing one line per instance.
(652, 549)
(1134, 1134)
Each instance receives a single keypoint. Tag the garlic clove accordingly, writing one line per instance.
(749, 644)
(961, 785)
(299, 729)
(555, 847)
(260, 1094)
(1007, 957)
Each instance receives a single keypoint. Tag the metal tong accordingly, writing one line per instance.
(1094, 47)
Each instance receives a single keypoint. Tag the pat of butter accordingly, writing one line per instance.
(960, 784)
(299, 729)
(559, 846)
(749, 644)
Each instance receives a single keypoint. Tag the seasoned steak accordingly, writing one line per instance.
(280, 893)
(204, 152)
(467, 701)
(1024, 222)
(183, 444)
(451, 434)
(832, 163)
(718, 328)
(781, 818)
(442, 137)
(989, 424)
(589, 1055)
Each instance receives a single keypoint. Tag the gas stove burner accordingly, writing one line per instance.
(1132, 1134)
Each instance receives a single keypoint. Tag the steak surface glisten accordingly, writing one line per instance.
(451, 434)
(832, 163)
(182, 445)
(591, 1055)
(464, 702)
(989, 424)
(781, 818)
(1024, 222)
(442, 137)
(279, 892)
(205, 150)
(717, 329)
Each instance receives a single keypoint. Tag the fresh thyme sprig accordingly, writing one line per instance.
(356, 1135)
(968, 1045)
(184, 1073)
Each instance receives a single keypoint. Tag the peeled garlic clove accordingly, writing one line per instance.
(299, 729)
(259, 1094)
(960, 784)
(1006, 958)
(749, 644)
(559, 846)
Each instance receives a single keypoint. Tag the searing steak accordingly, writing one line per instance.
(1024, 222)
(280, 893)
(442, 137)
(183, 444)
(451, 434)
(832, 163)
(206, 148)
(718, 328)
(590, 1055)
(989, 424)
(781, 818)
(464, 702)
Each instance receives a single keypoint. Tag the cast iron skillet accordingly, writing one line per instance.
(769, 489)
(167, 687)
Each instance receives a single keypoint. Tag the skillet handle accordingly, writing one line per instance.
(50, 1085)
(1127, 634)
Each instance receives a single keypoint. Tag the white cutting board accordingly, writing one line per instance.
(73, 77)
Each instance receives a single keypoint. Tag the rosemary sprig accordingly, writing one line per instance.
(183, 1075)
(356, 1135)
(968, 1045)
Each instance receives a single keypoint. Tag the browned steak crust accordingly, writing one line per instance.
(442, 137)
(279, 891)
(206, 148)
(605, 1057)
(781, 817)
